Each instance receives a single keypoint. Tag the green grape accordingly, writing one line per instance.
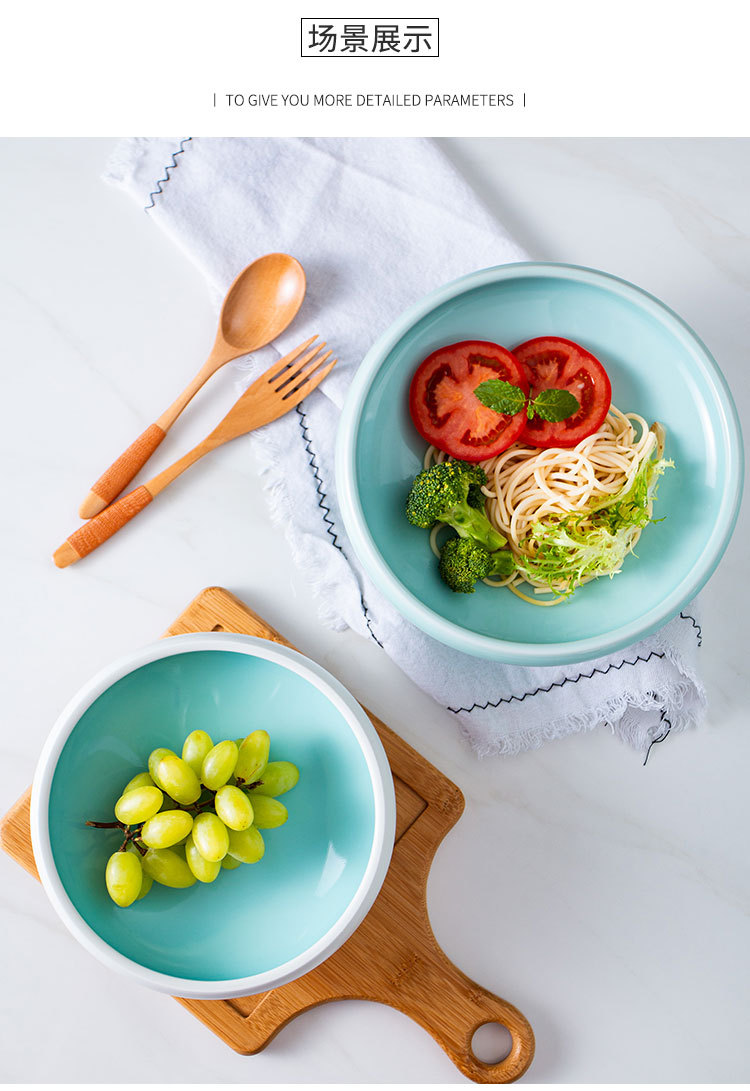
(141, 780)
(166, 829)
(253, 756)
(233, 808)
(195, 748)
(147, 882)
(168, 868)
(278, 777)
(146, 885)
(155, 757)
(176, 778)
(218, 764)
(180, 848)
(268, 813)
(210, 836)
(247, 846)
(138, 804)
(204, 870)
(123, 877)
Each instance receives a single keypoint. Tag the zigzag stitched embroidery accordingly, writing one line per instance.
(313, 462)
(546, 689)
(696, 626)
(325, 510)
(161, 182)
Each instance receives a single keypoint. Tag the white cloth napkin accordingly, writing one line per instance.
(377, 223)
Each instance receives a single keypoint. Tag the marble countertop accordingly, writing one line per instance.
(607, 900)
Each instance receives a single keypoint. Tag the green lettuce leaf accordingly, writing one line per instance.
(571, 548)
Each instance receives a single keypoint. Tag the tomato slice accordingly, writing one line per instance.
(447, 412)
(556, 362)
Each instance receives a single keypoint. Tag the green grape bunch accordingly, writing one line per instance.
(190, 816)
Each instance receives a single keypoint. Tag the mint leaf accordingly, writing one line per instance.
(551, 405)
(501, 396)
(554, 405)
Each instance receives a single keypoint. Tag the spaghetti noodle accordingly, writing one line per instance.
(550, 502)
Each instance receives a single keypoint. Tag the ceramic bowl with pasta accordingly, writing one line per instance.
(663, 445)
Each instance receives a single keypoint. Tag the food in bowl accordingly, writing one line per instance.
(656, 364)
(189, 817)
(545, 482)
(321, 871)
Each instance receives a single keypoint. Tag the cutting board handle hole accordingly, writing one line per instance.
(217, 629)
(491, 1043)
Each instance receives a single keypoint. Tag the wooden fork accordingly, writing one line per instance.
(278, 390)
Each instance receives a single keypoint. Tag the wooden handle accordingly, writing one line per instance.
(122, 471)
(452, 1007)
(101, 527)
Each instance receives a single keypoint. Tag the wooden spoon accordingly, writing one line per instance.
(278, 390)
(260, 304)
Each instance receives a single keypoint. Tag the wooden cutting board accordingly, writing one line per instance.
(393, 956)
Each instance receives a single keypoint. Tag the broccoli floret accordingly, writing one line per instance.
(475, 496)
(464, 562)
(447, 493)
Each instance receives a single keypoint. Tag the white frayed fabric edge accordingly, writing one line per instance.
(123, 160)
(269, 458)
(609, 714)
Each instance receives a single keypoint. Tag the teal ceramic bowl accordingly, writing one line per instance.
(658, 367)
(263, 924)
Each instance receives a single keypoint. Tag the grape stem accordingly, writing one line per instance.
(197, 807)
(131, 834)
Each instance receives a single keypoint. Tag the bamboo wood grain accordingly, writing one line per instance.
(261, 302)
(273, 394)
(393, 957)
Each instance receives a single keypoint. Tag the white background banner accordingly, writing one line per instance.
(575, 68)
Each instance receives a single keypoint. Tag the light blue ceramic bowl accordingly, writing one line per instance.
(262, 924)
(658, 367)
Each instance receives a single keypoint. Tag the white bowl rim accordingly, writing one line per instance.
(380, 778)
(494, 648)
